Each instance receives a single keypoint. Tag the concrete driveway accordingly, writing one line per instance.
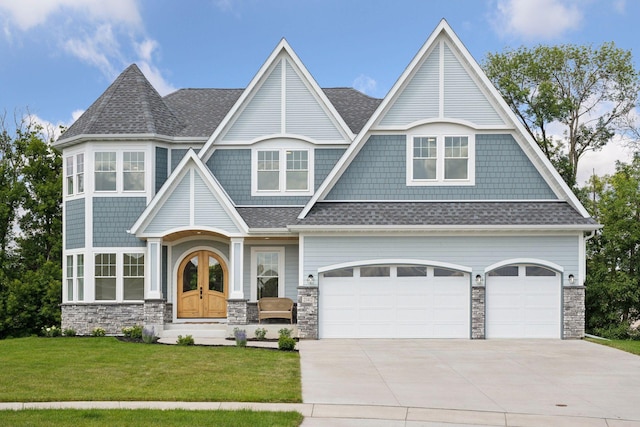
(509, 378)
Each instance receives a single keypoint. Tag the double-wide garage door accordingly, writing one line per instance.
(395, 302)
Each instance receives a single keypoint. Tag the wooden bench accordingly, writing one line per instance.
(275, 308)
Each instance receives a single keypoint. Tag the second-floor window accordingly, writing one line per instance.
(282, 171)
(74, 174)
(440, 160)
(119, 171)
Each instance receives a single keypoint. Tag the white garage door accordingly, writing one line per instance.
(523, 302)
(394, 302)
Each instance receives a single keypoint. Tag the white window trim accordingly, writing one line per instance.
(254, 267)
(119, 273)
(282, 180)
(74, 174)
(119, 170)
(74, 277)
(440, 160)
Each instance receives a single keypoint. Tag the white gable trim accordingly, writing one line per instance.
(282, 51)
(191, 161)
(530, 147)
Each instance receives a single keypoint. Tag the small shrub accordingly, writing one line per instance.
(134, 332)
(188, 340)
(241, 337)
(286, 343)
(69, 332)
(98, 332)
(149, 336)
(261, 334)
(51, 331)
(284, 332)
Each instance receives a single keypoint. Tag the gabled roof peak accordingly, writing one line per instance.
(130, 105)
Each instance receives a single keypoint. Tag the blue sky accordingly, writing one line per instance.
(58, 56)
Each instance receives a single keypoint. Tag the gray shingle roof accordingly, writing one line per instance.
(269, 217)
(355, 107)
(201, 110)
(130, 105)
(444, 214)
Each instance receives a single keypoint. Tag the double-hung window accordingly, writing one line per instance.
(440, 160)
(282, 172)
(75, 293)
(105, 171)
(267, 272)
(133, 276)
(119, 171)
(269, 170)
(133, 171)
(74, 174)
(105, 277)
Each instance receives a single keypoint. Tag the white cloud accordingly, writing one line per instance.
(537, 19)
(75, 115)
(26, 14)
(98, 50)
(603, 162)
(620, 6)
(106, 34)
(365, 84)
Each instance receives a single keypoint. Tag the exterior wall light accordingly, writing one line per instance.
(478, 279)
(572, 279)
(310, 280)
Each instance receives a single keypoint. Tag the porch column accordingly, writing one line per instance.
(153, 287)
(236, 291)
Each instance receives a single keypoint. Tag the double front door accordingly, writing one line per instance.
(202, 286)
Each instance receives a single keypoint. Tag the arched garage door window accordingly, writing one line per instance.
(394, 301)
(523, 301)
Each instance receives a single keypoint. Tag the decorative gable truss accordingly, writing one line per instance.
(282, 101)
(444, 84)
(191, 199)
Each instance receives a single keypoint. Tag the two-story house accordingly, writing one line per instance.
(429, 213)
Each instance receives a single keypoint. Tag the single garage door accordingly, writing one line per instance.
(394, 301)
(523, 301)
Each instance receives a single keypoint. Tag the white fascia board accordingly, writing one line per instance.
(248, 93)
(118, 137)
(355, 147)
(543, 165)
(466, 228)
(162, 195)
(173, 181)
(328, 106)
(549, 173)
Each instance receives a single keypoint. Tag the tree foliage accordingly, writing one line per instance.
(30, 230)
(613, 274)
(589, 91)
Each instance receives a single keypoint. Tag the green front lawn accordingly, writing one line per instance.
(625, 345)
(71, 369)
(146, 417)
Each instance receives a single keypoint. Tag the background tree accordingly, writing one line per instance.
(30, 230)
(591, 92)
(613, 273)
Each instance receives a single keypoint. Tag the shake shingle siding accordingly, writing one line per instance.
(162, 155)
(112, 217)
(74, 224)
(503, 172)
(232, 168)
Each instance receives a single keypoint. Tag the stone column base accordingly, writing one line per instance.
(308, 312)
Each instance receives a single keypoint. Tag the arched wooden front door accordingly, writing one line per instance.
(202, 286)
